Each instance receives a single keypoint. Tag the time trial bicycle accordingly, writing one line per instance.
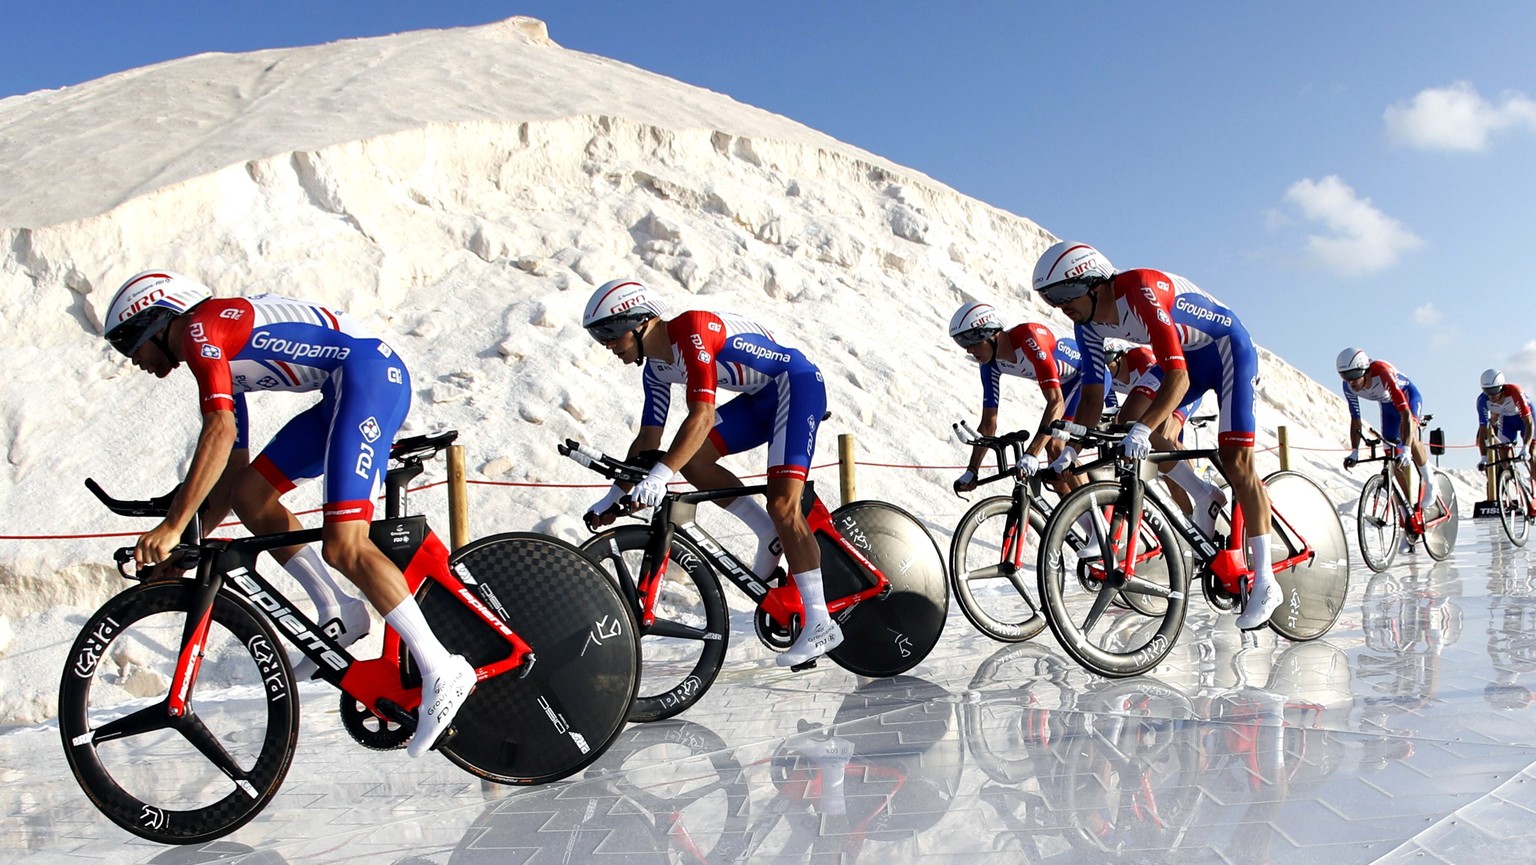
(883, 573)
(178, 709)
(1145, 549)
(1512, 491)
(1384, 515)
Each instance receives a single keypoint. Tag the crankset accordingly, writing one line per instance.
(369, 729)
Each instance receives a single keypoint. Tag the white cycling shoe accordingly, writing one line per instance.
(441, 696)
(349, 625)
(815, 641)
(1265, 598)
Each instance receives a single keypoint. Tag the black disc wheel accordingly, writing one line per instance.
(681, 651)
(573, 701)
(1305, 529)
(193, 777)
(1126, 552)
(992, 570)
(887, 635)
(1377, 524)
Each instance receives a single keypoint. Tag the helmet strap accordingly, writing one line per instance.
(163, 342)
(639, 333)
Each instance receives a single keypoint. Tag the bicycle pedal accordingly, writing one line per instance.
(396, 713)
(804, 665)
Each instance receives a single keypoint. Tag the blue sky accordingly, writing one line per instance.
(1339, 173)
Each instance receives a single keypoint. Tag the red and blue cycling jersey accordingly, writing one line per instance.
(1384, 384)
(1040, 356)
(1510, 406)
(783, 396)
(234, 346)
(1187, 329)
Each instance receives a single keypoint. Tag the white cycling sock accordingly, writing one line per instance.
(1259, 558)
(750, 511)
(411, 625)
(310, 571)
(812, 595)
(1186, 477)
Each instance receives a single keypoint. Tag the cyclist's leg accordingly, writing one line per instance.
(1426, 491)
(372, 398)
(736, 430)
(1230, 367)
(294, 455)
(799, 403)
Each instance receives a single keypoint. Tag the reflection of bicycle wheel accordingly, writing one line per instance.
(1440, 539)
(689, 785)
(154, 774)
(1111, 641)
(1514, 505)
(889, 635)
(681, 652)
(1303, 519)
(992, 570)
(1377, 524)
(1015, 711)
(574, 700)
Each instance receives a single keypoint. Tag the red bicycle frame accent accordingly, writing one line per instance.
(784, 601)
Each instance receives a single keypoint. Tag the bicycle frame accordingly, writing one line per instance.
(675, 518)
(1408, 516)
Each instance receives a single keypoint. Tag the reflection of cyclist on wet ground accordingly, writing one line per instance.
(1408, 622)
(1511, 634)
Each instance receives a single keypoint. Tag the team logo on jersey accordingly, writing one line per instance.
(395, 376)
(704, 357)
(715, 326)
(241, 381)
(267, 381)
(1162, 316)
(233, 313)
(196, 332)
(370, 430)
(212, 352)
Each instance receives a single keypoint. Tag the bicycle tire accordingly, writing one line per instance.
(122, 665)
(994, 594)
(574, 700)
(1314, 589)
(1440, 539)
(1377, 525)
(890, 635)
(1111, 641)
(1514, 506)
(682, 652)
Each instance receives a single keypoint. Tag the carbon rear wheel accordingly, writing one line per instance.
(575, 699)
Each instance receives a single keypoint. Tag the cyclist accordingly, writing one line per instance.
(1379, 381)
(1200, 345)
(1504, 417)
(1030, 351)
(233, 346)
(782, 402)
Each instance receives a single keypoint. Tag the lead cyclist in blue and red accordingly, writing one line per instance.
(1200, 345)
(782, 402)
(232, 346)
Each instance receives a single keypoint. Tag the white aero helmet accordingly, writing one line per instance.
(1352, 363)
(1115, 348)
(974, 323)
(145, 305)
(1068, 270)
(618, 307)
(1491, 381)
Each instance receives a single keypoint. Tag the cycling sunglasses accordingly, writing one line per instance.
(1492, 391)
(974, 337)
(1353, 374)
(1067, 291)
(611, 329)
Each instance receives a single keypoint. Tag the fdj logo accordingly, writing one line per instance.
(364, 462)
(395, 376)
(370, 430)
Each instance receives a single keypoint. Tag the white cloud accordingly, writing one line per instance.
(1426, 315)
(1456, 118)
(1363, 239)
(1521, 366)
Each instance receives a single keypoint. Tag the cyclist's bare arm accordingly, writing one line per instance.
(1356, 433)
(1055, 409)
(221, 497)
(1169, 395)
(987, 426)
(214, 444)
(691, 435)
(1090, 407)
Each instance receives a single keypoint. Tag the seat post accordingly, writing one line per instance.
(395, 481)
